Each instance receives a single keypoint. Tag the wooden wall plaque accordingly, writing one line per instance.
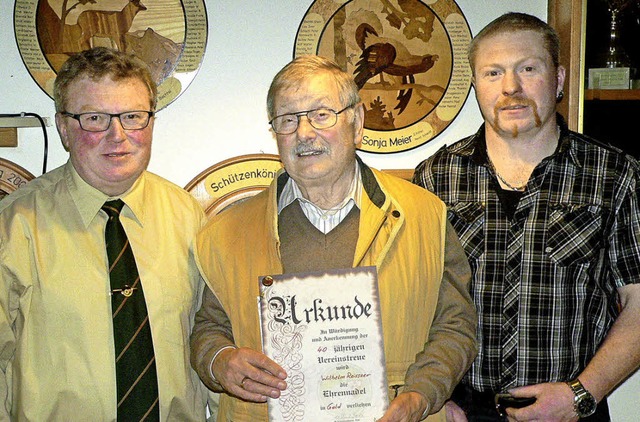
(12, 177)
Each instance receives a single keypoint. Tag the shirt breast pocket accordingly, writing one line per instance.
(467, 218)
(575, 233)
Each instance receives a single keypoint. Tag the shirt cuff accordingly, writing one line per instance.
(213, 359)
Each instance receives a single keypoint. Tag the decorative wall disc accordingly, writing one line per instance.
(169, 35)
(408, 57)
(12, 176)
(233, 180)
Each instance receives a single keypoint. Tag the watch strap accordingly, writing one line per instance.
(582, 396)
(577, 387)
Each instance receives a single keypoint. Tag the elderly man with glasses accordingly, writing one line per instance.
(328, 210)
(98, 290)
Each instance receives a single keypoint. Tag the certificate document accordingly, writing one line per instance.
(325, 330)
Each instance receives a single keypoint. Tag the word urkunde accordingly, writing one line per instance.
(317, 312)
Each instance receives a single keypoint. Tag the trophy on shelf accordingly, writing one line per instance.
(617, 72)
(616, 56)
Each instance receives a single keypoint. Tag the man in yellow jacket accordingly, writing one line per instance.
(328, 210)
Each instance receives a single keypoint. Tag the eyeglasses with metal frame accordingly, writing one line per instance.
(100, 122)
(319, 118)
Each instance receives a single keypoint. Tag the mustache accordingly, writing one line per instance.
(307, 148)
(516, 100)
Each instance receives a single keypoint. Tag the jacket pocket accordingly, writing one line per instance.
(575, 233)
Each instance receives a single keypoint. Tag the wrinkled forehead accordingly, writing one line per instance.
(313, 91)
(89, 90)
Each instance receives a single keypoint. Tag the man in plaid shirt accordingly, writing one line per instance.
(550, 222)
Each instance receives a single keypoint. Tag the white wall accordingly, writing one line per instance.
(222, 114)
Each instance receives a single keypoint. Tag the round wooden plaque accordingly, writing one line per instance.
(169, 35)
(233, 180)
(12, 176)
(421, 78)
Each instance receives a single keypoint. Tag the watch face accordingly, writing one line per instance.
(586, 406)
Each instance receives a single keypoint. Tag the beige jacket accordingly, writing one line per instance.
(428, 317)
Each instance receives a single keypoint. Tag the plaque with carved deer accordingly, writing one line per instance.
(169, 35)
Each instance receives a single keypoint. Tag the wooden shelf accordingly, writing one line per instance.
(612, 94)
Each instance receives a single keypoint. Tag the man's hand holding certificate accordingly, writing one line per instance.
(248, 374)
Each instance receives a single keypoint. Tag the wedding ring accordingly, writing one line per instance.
(243, 380)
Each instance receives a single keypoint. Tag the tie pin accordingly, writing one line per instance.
(126, 291)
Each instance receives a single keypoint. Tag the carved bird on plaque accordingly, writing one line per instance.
(387, 56)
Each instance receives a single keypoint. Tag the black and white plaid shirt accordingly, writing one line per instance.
(573, 240)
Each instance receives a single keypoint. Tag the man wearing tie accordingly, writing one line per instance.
(98, 288)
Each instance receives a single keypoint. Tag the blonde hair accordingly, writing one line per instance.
(96, 63)
(511, 22)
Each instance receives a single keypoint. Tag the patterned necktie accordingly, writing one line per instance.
(136, 377)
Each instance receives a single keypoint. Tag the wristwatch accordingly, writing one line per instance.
(584, 403)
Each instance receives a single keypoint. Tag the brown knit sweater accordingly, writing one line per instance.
(304, 248)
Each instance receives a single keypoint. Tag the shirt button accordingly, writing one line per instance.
(395, 213)
(548, 249)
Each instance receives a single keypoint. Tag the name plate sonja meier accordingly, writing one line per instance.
(325, 330)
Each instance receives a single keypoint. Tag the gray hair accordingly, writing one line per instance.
(303, 67)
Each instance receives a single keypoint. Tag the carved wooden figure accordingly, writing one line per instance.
(112, 25)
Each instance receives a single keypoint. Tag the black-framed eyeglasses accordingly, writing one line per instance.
(99, 122)
(319, 118)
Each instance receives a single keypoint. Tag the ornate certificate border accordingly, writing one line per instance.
(233, 180)
(411, 96)
(325, 330)
(169, 35)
